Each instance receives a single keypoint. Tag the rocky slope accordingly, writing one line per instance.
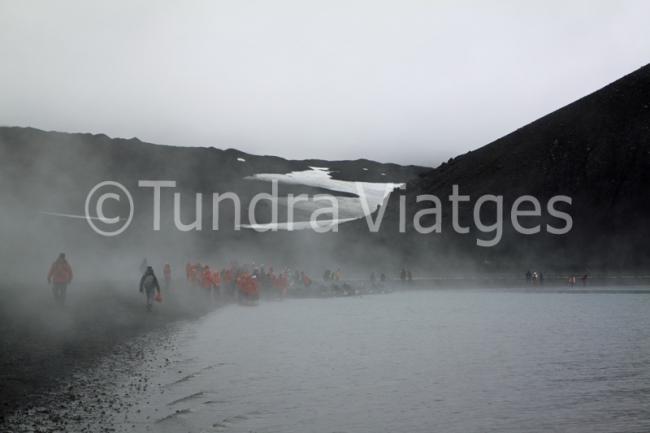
(595, 150)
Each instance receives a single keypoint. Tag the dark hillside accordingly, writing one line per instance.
(595, 150)
(53, 172)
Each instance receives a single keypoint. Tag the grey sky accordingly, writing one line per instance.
(404, 81)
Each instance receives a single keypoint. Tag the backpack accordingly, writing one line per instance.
(149, 282)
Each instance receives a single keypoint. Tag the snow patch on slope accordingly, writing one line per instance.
(371, 194)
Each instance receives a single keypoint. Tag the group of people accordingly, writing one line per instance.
(330, 275)
(244, 282)
(234, 281)
(537, 278)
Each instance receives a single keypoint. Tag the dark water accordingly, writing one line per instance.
(429, 361)
(447, 361)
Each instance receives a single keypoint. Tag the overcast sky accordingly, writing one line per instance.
(404, 81)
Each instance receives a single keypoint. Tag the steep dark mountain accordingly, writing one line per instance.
(595, 150)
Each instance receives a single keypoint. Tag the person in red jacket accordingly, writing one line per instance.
(248, 287)
(229, 282)
(253, 287)
(60, 276)
(281, 283)
(196, 276)
(216, 282)
(206, 280)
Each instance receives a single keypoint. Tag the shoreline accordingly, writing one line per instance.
(44, 345)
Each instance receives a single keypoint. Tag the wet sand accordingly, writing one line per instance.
(44, 346)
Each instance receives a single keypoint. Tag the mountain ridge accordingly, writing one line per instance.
(595, 150)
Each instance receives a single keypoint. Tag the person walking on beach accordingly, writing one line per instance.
(60, 276)
(216, 283)
(206, 281)
(306, 281)
(149, 285)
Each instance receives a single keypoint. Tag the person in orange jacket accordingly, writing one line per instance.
(248, 287)
(167, 275)
(229, 283)
(216, 282)
(280, 283)
(197, 274)
(60, 276)
(240, 281)
(206, 279)
(253, 287)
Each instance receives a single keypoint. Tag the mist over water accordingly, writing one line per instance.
(278, 278)
(446, 360)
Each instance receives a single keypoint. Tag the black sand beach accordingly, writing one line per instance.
(44, 345)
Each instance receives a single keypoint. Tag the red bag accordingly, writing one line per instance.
(158, 297)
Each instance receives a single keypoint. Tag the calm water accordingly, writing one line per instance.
(434, 361)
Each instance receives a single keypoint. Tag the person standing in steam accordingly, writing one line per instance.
(60, 276)
(149, 285)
